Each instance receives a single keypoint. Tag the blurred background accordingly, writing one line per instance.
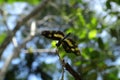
(27, 55)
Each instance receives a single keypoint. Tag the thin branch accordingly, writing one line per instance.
(76, 75)
(72, 71)
(10, 33)
(20, 23)
(41, 50)
(10, 57)
(61, 61)
(16, 52)
(63, 71)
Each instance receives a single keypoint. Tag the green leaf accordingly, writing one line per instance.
(100, 43)
(108, 4)
(80, 17)
(2, 37)
(83, 34)
(94, 54)
(93, 22)
(92, 34)
(53, 43)
(113, 33)
(112, 75)
(78, 63)
(34, 1)
(92, 76)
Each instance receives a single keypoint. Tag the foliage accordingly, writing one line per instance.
(97, 38)
(2, 37)
(12, 1)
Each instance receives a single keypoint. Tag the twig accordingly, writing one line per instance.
(16, 52)
(69, 68)
(72, 71)
(61, 61)
(41, 50)
(63, 71)
(20, 23)
(10, 33)
(10, 57)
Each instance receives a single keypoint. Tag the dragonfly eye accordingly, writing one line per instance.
(58, 43)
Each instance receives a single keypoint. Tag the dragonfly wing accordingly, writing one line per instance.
(54, 35)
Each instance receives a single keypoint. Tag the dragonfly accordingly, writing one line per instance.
(68, 44)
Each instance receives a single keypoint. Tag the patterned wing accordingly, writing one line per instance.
(70, 46)
(54, 35)
(61, 40)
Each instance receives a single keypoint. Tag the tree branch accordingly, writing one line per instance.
(72, 71)
(41, 50)
(10, 57)
(76, 75)
(20, 23)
